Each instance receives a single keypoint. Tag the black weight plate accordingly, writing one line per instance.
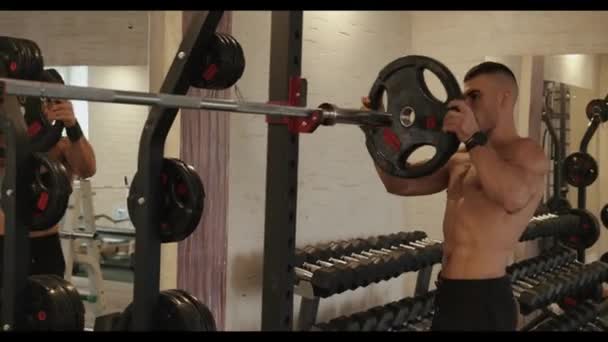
(597, 107)
(173, 313)
(417, 117)
(604, 216)
(74, 312)
(50, 193)
(580, 169)
(237, 61)
(588, 231)
(205, 314)
(76, 303)
(182, 195)
(10, 57)
(33, 59)
(47, 305)
(198, 320)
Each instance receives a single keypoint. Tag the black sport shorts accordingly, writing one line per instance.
(474, 305)
(46, 253)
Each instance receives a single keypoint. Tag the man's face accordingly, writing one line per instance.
(481, 94)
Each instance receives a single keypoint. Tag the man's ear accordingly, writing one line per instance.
(506, 99)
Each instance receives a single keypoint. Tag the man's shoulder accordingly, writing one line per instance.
(528, 152)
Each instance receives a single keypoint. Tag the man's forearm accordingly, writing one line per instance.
(502, 182)
(81, 158)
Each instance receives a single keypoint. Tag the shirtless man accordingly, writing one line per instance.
(493, 186)
(76, 154)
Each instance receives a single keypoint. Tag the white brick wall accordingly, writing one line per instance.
(114, 131)
(82, 37)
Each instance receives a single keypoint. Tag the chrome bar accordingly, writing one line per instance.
(330, 114)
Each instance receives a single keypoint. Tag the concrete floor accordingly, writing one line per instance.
(118, 294)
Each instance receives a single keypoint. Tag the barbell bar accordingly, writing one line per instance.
(327, 114)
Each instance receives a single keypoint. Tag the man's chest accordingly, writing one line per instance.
(463, 179)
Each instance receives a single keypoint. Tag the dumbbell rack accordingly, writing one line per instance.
(573, 284)
(310, 298)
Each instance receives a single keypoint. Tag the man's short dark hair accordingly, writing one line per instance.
(489, 68)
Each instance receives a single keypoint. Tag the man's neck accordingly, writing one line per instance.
(502, 136)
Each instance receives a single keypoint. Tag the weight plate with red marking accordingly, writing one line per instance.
(222, 66)
(21, 57)
(51, 307)
(417, 117)
(43, 133)
(597, 107)
(587, 232)
(182, 200)
(580, 169)
(50, 193)
(174, 312)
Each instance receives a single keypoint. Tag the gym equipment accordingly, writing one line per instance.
(43, 134)
(604, 216)
(577, 228)
(583, 316)
(390, 317)
(177, 310)
(371, 266)
(417, 117)
(183, 197)
(587, 232)
(580, 169)
(560, 284)
(53, 305)
(21, 57)
(335, 249)
(597, 107)
(223, 65)
(50, 193)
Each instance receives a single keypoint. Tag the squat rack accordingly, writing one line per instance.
(287, 91)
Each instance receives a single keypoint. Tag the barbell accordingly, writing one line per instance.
(413, 116)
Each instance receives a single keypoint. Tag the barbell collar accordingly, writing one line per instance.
(330, 114)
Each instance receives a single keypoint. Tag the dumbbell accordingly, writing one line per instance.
(343, 323)
(541, 263)
(401, 311)
(422, 253)
(367, 321)
(551, 290)
(384, 317)
(591, 326)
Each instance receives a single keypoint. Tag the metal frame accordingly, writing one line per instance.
(282, 174)
(19, 173)
(151, 152)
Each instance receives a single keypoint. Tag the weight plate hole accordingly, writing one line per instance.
(434, 85)
(422, 153)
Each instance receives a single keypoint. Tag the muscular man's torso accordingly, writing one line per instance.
(479, 236)
(56, 153)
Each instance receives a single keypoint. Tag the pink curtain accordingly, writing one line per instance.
(205, 145)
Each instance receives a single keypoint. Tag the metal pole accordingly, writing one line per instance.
(330, 114)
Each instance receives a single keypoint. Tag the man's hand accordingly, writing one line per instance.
(60, 110)
(460, 120)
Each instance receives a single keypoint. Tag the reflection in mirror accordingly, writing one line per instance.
(98, 238)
